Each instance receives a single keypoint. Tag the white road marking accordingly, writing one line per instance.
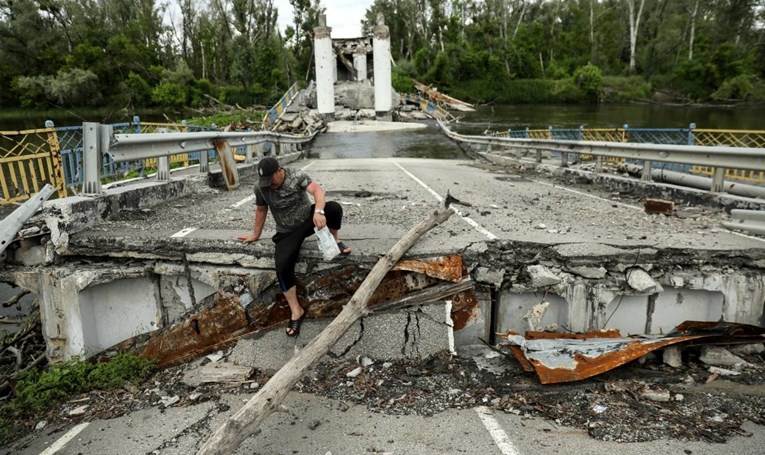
(58, 445)
(501, 439)
(438, 197)
(183, 233)
(243, 201)
(742, 235)
(308, 165)
(585, 194)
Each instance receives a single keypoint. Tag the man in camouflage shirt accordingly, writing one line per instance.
(285, 192)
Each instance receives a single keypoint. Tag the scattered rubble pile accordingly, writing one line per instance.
(642, 401)
(305, 121)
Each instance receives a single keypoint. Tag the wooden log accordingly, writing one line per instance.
(15, 299)
(244, 422)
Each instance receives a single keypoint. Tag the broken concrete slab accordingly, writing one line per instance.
(593, 273)
(723, 371)
(672, 356)
(216, 372)
(719, 356)
(642, 282)
(541, 276)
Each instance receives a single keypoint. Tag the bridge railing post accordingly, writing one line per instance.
(91, 158)
(248, 154)
(163, 163)
(718, 180)
(691, 139)
(647, 167)
(137, 130)
(599, 164)
(204, 162)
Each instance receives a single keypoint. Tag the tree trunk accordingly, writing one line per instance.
(693, 30)
(592, 32)
(520, 19)
(634, 27)
(244, 423)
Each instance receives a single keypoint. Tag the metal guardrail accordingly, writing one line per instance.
(718, 157)
(100, 139)
(676, 136)
(70, 140)
(125, 147)
(747, 220)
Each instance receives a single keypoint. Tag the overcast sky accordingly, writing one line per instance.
(344, 16)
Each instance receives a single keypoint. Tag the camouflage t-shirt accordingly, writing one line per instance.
(289, 203)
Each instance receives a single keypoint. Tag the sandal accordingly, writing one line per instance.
(344, 247)
(294, 325)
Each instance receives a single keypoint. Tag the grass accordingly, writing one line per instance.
(222, 119)
(38, 390)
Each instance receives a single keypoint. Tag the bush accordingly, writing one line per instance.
(137, 89)
(744, 87)
(76, 87)
(589, 78)
(169, 94)
(617, 89)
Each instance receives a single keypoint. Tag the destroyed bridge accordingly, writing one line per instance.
(153, 265)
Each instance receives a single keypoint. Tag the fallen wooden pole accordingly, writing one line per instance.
(244, 422)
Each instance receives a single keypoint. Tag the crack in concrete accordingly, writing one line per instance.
(352, 345)
(201, 428)
(189, 285)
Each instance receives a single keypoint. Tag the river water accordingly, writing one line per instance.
(430, 143)
(614, 116)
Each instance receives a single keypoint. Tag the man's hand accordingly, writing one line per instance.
(248, 238)
(319, 220)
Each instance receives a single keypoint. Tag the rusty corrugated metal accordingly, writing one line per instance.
(199, 333)
(465, 309)
(448, 268)
(564, 357)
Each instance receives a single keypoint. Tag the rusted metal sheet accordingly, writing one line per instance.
(607, 333)
(199, 333)
(465, 309)
(564, 357)
(448, 268)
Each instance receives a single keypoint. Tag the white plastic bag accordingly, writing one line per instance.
(327, 244)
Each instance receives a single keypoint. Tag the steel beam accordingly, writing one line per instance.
(127, 147)
(11, 224)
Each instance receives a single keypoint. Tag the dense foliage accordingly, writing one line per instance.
(178, 53)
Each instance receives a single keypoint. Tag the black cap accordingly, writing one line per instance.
(266, 168)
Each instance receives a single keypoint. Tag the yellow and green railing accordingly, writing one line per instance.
(276, 111)
(29, 159)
